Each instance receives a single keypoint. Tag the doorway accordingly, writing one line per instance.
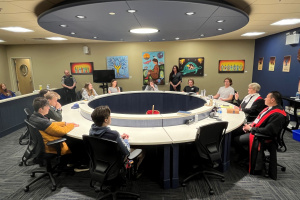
(23, 72)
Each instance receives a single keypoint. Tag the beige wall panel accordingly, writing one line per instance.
(49, 61)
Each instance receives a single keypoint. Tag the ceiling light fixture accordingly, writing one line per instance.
(221, 21)
(177, 38)
(190, 13)
(220, 29)
(73, 33)
(2, 41)
(163, 39)
(112, 13)
(81, 16)
(16, 29)
(253, 33)
(55, 38)
(63, 25)
(143, 30)
(287, 22)
(202, 35)
(95, 37)
(131, 11)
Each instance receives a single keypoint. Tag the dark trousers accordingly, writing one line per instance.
(177, 88)
(70, 95)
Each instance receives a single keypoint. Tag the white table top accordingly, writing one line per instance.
(149, 135)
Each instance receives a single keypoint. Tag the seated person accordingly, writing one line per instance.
(226, 92)
(55, 107)
(191, 87)
(49, 130)
(43, 92)
(151, 86)
(269, 121)
(88, 92)
(101, 118)
(5, 93)
(253, 103)
(113, 87)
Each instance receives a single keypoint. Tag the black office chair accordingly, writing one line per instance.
(272, 145)
(208, 141)
(79, 95)
(107, 165)
(38, 144)
(144, 87)
(121, 89)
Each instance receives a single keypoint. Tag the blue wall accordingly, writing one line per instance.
(284, 82)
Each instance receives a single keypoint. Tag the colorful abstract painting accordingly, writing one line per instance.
(231, 66)
(191, 66)
(119, 64)
(272, 63)
(82, 68)
(154, 67)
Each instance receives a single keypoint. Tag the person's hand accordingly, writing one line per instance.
(236, 96)
(125, 136)
(75, 125)
(174, 87)
(221, 99)
(58, 105)
(246, 127)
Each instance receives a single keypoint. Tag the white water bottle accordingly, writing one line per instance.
(297, 95)
(48, 87)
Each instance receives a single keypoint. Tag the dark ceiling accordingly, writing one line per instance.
(169, 17)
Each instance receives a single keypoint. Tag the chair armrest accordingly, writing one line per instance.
(261, 135)
(134, 154)
(56, 141)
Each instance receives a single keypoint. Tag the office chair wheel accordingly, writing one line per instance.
(32, 174)
(53, 188)
(211, 192)
(283, 169)
(26, 189)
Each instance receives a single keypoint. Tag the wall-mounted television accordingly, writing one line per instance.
(103, 76)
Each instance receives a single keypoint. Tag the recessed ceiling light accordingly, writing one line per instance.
(16, 29)
(112, 13)
(177, 38)
(144, 30)
(131, 11)
(253, 33)
(163, 39)
(73, 33)
(190, 13)
(63, 25)
(220, 29)
(2, 41)
(95, 37)
(81, 16)
(202, 35)
(55, 38)
(149, 40)
(221, 20)
(287, 22)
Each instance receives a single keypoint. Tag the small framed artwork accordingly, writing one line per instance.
(231, 66)
(272, 63)
(82, 68)
(260, 63)
(286, 64)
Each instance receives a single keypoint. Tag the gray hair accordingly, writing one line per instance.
(255, 86)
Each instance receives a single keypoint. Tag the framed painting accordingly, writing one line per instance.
(82, 68)
(119, 64)
(191, 66)
(286, 64)
(154, 67)
(260, 63)
(272, 63)
(231, 66)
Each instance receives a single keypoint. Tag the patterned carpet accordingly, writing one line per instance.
(238, 185)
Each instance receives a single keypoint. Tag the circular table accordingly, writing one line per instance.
(161, 133)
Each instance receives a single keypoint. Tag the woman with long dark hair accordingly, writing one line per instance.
(5, 93)
(175, 79)
(88, 92)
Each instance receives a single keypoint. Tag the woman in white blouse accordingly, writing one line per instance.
(114, 87)
(88, 92)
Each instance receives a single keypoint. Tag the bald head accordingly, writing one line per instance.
(67, 73)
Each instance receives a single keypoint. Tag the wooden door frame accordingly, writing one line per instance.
(13, 75)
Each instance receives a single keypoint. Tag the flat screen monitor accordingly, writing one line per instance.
(103, 76)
